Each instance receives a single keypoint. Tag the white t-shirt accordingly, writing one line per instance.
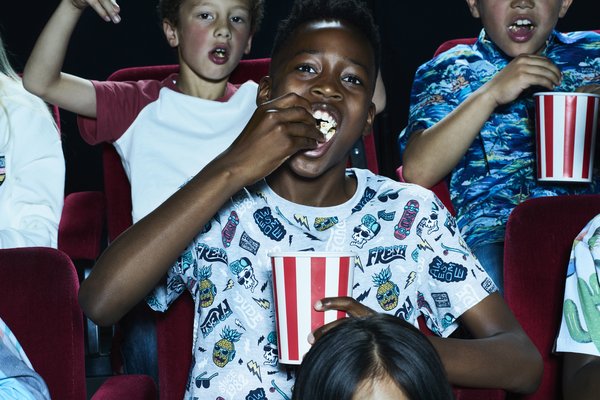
(32, 170)
(165, 137)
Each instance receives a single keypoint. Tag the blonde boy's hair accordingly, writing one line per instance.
(169, 10)
(11, 83)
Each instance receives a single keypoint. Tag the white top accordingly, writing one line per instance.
(174, 137)
(32, 170)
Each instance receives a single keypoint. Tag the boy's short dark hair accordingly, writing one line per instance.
(354, 12)
(169, 9)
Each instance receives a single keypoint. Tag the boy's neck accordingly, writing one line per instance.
(193, 85)
(330, 189)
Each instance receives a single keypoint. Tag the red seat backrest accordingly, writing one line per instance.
(447, 45)
(38, 302)
(538, 241)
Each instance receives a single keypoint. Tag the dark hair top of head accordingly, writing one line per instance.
(169, 9)
(371, 349)
(354, 12)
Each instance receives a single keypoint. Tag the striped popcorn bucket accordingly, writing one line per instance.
(299, 280)
(565, 135)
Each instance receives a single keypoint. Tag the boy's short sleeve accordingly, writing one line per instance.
(452, 279)
(439, 86)
(117, 106)
(186, 272)
(173, 284)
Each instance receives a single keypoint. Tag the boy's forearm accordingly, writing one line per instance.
(431, 154)
(490, 362)
(498, 345)
(42, 74)
(581, 376)
(134, 263)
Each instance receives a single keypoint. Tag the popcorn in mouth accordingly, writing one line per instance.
(521, 24)
(326, 124)
(220, 52)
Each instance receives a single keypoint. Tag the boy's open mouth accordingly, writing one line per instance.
(521, 26)
(326, 124)
(220, 52)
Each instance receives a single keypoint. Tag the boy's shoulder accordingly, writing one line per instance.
(455, 53)
(382, 184)
(591, 36)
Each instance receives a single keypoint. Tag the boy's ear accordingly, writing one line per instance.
(170, 32)
(264, 90)
(369, 122)
(564, 8)
(473, 7)
(248, 45)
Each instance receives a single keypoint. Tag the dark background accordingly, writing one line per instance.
(410, 31)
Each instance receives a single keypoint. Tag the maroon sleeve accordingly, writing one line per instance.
(117, 106)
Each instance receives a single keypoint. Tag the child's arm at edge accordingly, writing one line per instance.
(42, 75)
(431, 154)
(581, 376)
(136, 261)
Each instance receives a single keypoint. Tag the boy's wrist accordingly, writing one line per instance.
(485, 98)
(71, 7)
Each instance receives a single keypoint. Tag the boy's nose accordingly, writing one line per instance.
(327, 89)
(223, 31)
(523, 3)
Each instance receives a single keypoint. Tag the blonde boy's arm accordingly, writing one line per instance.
(42, 75)
(431, 154)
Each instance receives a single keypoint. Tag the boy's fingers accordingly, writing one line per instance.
(106, 9)
(348, 304)
(290, 100)
(352, 307)
(542, 66)
(319, 332)
(592, 88)
(295, 121)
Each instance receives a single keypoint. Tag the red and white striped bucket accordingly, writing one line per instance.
(299, 280)
(565, 135)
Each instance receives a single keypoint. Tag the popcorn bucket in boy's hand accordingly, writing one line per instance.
(299, 280)
(565, 135)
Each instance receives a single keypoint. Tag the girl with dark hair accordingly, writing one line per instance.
(380, 356)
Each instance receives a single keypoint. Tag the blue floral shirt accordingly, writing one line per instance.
(498, 170)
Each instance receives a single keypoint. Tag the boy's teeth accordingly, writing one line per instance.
(220, 52)
(522, 23)
(326, 124)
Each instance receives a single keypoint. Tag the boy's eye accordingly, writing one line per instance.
(205, 16)
(352, 79)
(237, 20)
(306, 68)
